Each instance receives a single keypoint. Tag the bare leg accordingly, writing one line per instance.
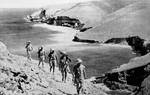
(50, 65)
(42, 63)
(62, 76)
(39, 63)
(53, 66)
(65, 75)
(78, 88)
(28, 55)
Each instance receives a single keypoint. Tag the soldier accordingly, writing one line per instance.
(29, 49)
(79, 75)
(52, 60)
(41, 56)
(64, 65)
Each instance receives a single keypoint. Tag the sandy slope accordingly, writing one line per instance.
(14, 70)
(91, 13)
(130, 20)
(16, 73)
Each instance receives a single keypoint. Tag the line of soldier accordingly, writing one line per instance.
(78, 69)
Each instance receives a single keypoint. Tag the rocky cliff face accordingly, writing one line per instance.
(21, 77)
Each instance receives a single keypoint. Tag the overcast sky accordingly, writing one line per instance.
(33, 3)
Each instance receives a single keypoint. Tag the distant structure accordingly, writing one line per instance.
(57, 20)
(42, 14)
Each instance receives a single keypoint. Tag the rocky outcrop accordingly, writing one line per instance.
(91, 12)
(116, 40)
(132, 76)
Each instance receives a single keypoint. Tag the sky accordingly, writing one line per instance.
(33, 3)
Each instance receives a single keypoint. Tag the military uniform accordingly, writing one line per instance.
(64, 66)
(41, 55)
(28, 50)
(52, 61)
(79, 75)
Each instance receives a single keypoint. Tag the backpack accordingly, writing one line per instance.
(41, 53)
(51, 56)
(29, 47)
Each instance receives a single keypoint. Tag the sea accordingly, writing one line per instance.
(15, 31)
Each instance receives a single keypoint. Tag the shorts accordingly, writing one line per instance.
(78, 80)
(42, 58)
(52, 63)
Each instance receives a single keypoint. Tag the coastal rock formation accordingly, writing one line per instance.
(116, 41)
(22, 77)
(132, 76)
(91, 13)
(139, 45)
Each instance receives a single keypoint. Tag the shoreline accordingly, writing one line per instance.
(99, 54)
(65, 35)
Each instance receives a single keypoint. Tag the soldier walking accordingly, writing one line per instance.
(52, 60)
(29, 49)
(64, 66)
(79, 75)
(41, 56)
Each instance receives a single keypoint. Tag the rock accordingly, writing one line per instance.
(145, 87)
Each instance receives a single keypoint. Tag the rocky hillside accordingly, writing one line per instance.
(130, 20)
(138, 62)
(22, 77)
(91, 13)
